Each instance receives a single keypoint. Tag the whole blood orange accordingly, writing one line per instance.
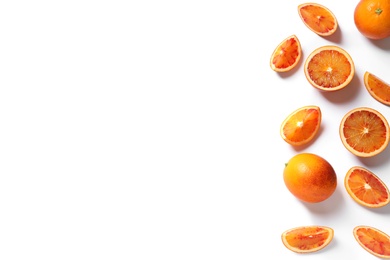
(310, 177)
(372, 18)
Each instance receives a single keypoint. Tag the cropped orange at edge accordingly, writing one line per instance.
(372, 18)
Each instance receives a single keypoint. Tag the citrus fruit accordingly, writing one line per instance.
(301, 126)
(373, 240)
(372, 18)
(377, 88)
(366, 188)
(310, 177)
(364, 132)
(286, 55)
(318, 18)
(329, 68)
(307, 239)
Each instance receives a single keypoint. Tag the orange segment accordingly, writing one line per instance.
(364, 132)
(366, 188)
(318, 18)
(307, 239)
(301, 126)
(329, 68)
(286, 55)
(377, 88)
(373, 240)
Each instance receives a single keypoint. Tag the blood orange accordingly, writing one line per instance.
(309, 177)
(301, 126)
(364, 132)
(329, 68)
(373, 240)
(377, 88)
(372, 18)
(307, 239)
(286, 55)
(366, 188)
(318, 18)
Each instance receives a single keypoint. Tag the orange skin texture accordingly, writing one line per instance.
(372, 18)
(310, 178)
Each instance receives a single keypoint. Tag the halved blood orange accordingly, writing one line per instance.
(377, 88)
(366, 188)
(364, 132)
(329, 68)
(307, 239)
(373, 240)
(286, 55)
(301, 126)
(318, 18)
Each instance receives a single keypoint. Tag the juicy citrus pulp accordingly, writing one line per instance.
(309, 177)
(301, 126)
(377, 88)
(307, 239)
(364, 132)
(318, 18)
(329, 68)
(366, 188)
(286, 55)
(373, 240)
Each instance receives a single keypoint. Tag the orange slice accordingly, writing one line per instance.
(318, 18)
(301, 126)
(366, 188)
(286, 55)
(329, 68)
(364, 132)
(377, 88)
(373, 240)
(307, 239)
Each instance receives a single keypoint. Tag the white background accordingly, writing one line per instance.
(150, 130)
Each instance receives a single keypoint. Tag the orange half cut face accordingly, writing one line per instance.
(364, 132)
(329, 68)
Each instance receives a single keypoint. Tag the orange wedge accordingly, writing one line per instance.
(301, 126)
(329, 68)
(307, 239)
(318, 18)
(377, 88)
(373, 240)
(286, 55)
(366, 188)
(364, 132)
